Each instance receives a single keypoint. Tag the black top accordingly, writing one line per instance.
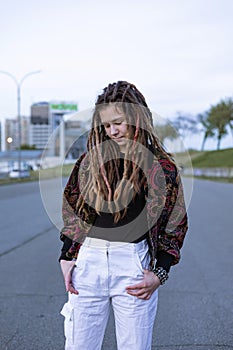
(131, 228)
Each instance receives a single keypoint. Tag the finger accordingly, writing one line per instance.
(144, 295)
(137, 293)
(135, 286)
(70, 288)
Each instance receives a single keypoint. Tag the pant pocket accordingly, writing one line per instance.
(68, 312)
(143, 259)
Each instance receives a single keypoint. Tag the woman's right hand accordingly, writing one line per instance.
(67, 268)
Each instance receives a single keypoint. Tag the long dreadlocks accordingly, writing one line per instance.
(105, 190)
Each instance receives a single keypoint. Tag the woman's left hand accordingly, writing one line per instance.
(146, 287)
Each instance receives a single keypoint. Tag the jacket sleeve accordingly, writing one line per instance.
(174, 223)
(74, 226)
(170, 222)
(67, 243)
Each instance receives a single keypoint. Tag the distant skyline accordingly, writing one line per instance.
(178, 53)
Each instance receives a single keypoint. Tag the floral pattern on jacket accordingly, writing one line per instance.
(166, 212)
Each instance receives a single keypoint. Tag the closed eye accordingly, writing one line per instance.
(116, 123)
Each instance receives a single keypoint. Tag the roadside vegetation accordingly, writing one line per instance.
(213, 159)
(220, 159)
(49, 173)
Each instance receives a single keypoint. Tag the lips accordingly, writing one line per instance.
(118, 138)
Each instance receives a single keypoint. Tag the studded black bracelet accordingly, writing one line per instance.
(161, 274)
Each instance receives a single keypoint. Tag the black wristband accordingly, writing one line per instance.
(161, 274)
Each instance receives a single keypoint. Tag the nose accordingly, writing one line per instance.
(113, 130)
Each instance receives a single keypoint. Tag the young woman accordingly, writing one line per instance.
(124, 224)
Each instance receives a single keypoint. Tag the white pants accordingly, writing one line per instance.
(103, 270)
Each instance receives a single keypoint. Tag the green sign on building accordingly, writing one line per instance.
(66, 107)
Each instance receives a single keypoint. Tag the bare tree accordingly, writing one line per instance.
(206, 127)
(166, 131)
(185, 124)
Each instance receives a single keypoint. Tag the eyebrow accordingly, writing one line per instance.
(113, 120)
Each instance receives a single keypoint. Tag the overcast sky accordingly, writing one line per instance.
(179, 53)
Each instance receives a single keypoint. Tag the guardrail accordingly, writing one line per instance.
(210, 172)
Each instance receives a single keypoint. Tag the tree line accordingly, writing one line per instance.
(216, 123)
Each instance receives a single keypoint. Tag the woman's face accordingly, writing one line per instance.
(115, 126)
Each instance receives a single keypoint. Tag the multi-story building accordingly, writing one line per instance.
(40, 125)
(45, 118)
(11, 133)
(40, 129)
(25, 123)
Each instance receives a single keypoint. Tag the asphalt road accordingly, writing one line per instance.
(195, 306)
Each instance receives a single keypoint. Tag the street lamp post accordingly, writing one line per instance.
(18, 85)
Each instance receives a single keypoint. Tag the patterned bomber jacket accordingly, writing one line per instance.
(165, 207)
